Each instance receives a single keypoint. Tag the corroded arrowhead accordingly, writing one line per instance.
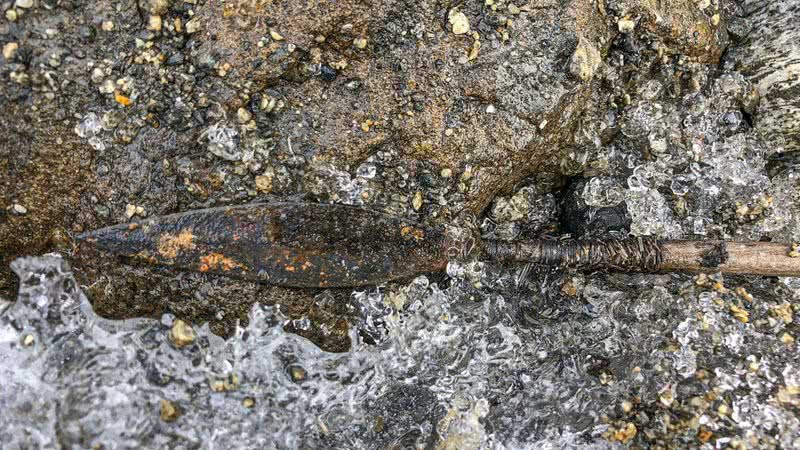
(287, 244)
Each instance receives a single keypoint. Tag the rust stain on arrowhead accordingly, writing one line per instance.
(170, 245)
(217, 261)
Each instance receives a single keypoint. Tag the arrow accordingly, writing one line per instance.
(327, 245)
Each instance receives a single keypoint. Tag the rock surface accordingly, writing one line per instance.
(111, 119)
(771, 60)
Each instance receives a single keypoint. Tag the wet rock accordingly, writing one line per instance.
(586, 221)
(678, 27)
(327, 73)
(48, 167)
(525, 79)
(769, 56)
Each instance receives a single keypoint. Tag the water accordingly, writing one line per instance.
(90, 128)
(547, 363)
(223, 141)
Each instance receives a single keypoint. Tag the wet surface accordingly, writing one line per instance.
(117, 112)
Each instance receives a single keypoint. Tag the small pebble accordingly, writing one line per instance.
(467, 174)
(169, 411)
(513, 9)
(24, 4)
(585, 60)
(297, 373)
(11, 15)
(275, 35)
(97, 75)
(491, 109)
(666, 398)
(740, 314)
(625, 25)
(380, 424)
(9, 50)
(107, 25)
(19, 209)
(28, 340)
(248, 402)
(107, 87)
(446, 173)
(243, 115)
(122, 99)
(366, 125)
(458, 21)
(154, 23)
(625, 434)
(416, 203)
(158, 6)
(181, 334)
(193, 26)
(360, 43)
(327, 73)
(264, 182)
(782, 312)
(742, 292)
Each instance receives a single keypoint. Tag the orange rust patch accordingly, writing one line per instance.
(169, 245)
(289, 268)
(217, 261)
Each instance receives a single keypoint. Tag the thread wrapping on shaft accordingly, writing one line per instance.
(641, 254)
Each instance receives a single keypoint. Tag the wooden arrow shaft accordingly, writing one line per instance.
(646, 254)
